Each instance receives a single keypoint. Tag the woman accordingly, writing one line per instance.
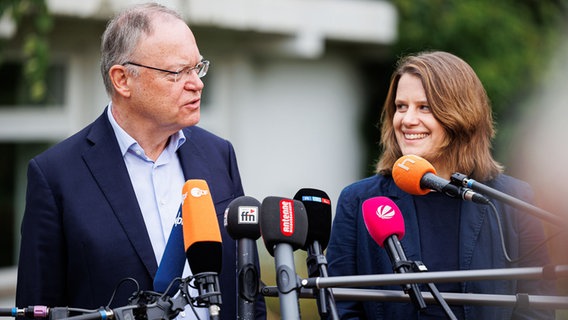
(437, 108)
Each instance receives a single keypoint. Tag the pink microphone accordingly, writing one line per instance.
(383, 219)
(385, 224)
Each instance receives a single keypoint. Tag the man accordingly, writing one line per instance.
(101, 204)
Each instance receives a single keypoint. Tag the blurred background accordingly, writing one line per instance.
(297, 86)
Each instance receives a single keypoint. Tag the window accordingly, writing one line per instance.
(7, 215)
(13, 93)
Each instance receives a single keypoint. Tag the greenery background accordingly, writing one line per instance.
(508, 43)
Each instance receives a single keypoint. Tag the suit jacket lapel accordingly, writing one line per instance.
(411, 240)
(192, 159)
(472, 218)
(108, 169)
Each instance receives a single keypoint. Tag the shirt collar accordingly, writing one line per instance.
(126, 142)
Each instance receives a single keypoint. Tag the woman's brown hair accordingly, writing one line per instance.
(459, 102)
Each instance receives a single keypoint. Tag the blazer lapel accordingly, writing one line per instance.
(192, 159)
(108, 169)
(472, 218)
(411, 240)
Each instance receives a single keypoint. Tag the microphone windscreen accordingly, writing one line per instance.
(383, 219)
(318, 209)
(201, 233)
(407, 172)
(241, 218)
(283, 221)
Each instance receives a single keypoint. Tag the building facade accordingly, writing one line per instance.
(285, 86)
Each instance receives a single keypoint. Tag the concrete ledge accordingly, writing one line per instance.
(362, 21)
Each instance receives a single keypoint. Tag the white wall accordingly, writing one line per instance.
(293, 122)
(290, 105)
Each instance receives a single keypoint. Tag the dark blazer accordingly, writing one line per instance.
(83, 230)
(352, 251)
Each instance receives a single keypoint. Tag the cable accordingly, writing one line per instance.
(502, 237)
(118, 286)
(174, 280)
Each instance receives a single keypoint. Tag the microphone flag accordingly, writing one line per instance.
(173, 260)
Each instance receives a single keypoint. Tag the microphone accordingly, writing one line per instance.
(284, 228)
(241, 221)
(385, 224)
(318, 209)
(203, 246)
(415, 175)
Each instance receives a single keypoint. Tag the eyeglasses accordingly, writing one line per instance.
(183, 73)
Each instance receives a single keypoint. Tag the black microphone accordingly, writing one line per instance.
(202, 240)
(284, 228)
(318, 209)
(415, 175)
(242, 224)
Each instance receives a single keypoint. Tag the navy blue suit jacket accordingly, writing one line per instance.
(83, 230)
(352, 251)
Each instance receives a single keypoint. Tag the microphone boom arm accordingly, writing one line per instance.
(460, 179)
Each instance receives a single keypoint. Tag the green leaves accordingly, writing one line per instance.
(507, 42)
(36, 47)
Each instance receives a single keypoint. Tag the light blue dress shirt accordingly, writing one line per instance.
(157, 184)
(158, 187)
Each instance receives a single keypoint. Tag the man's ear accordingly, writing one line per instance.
(119, 78)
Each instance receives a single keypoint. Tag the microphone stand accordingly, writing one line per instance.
(143, 305)
(248, 280)
(207, 284)
(317, 266)
(401, 265)
(527, 273)
(479, 299)
(460, 179)
(287, 281)
(418, 266)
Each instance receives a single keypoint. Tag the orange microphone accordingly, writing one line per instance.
(203, 246)
(408, 172)
(201, 233)
(415, 175)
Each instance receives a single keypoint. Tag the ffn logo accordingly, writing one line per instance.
(248, 215)
(385, 212)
